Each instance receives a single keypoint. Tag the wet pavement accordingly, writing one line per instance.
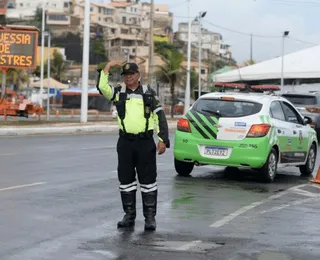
(59, 199)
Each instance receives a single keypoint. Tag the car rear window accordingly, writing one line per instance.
(301, 99)
(226, 108)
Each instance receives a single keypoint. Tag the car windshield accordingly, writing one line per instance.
(301, 99)
(226, 108)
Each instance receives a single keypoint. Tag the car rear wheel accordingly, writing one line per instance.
(307, 169)
(269, 169)
(183, 168)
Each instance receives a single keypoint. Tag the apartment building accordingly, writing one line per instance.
(210, 41)
(125, 38)
(163, 20)
(25, 9)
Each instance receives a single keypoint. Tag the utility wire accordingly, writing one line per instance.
(253, 35)
(298, 40)
(291, 2)
(243, 33)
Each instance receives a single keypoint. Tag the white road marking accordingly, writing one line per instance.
(22, 186)
(7, 154)
(253, 205)
(305, 193)
(98, 147)
(298, 202)
(189, 245)
(109, 254)
(316, 186)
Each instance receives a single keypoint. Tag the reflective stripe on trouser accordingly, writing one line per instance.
(128, 187)
(148, 187)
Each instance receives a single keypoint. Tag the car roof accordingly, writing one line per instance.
(260, 97)
(310, 93)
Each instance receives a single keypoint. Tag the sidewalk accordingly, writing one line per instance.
(66, 128)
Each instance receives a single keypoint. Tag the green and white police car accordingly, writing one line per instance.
(244, 130)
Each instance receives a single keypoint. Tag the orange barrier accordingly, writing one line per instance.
(317, 178)
(14, 106)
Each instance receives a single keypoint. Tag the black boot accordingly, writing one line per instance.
(149, 200)
(129, 207)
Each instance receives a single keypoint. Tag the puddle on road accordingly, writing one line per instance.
(197, 183)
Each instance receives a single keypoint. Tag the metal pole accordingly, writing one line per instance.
(200, 42)
(85, 63)
(251, 54)
(48, 72)
(42, 52)
(4, 80)
(151, 44)
(187, 94)
(282, 63)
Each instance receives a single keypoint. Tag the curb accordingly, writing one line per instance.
(15, 131)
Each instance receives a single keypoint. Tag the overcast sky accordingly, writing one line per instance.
(259, 17)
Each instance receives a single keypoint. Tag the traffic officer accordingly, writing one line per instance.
(138, 110)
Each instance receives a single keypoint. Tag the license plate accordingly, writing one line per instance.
(217, 151)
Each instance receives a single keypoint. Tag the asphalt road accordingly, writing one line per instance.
(59, 199)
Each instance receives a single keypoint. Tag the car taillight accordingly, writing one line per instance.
(183, 125)
(259, 130)
(313, 109)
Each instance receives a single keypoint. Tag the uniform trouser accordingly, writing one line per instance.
(138, 157)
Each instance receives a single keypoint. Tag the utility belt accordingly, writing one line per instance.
(142, 135)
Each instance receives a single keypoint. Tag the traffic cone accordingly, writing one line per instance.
(317, 178)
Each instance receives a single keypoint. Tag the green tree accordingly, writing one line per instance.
(249, 62)
(98, 49)
(37, 20)
(163, 47)
(171, 71)
(193, 82)
(58, 66)
(17, 77)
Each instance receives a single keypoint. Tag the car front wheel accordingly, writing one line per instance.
(183, 168)
(307, 169)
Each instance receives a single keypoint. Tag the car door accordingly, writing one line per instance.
(282, 131)
(299, 132)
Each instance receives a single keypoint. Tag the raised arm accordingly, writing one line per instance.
(103, 81)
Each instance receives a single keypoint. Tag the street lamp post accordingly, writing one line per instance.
(285, 34)
(49, 62)
(47, 34)
(85, 63)
(42, 52)
(201, 15)
(187, 93)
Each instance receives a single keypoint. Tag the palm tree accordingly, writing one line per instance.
(171, 71)
(17, 77)
(249, 62)
(58, 66)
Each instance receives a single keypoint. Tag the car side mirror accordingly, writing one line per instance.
(307, 120)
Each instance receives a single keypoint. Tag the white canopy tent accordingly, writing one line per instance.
(52, 83)
(300, 64)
